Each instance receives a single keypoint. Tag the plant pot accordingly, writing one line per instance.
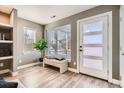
(41, 59)
(42, 55)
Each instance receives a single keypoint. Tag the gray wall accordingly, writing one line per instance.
(91, 12)
(21, 23)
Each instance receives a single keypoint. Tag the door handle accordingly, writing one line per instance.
(123, 54)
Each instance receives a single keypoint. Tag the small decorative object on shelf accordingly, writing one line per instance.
(3, 36)
(0, 36)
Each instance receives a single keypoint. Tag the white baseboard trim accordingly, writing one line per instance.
(121, 85)
(28, 65)
(14, 73)
(20, 67)
(8, 71)
(72, 70)
(4, 71)
(114, 81)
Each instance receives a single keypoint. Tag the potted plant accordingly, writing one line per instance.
(40, 45)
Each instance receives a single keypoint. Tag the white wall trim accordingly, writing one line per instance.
(78, 47)
(20, 67)
(121, 46)
(72, 70)
(8, 71)
(110, 47)
(109, 14)
(4, 71)
(28, 65)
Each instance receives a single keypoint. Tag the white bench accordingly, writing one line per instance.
(63, 65)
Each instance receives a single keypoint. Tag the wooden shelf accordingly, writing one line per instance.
(5, 25)
(6, 41)
(7, 57)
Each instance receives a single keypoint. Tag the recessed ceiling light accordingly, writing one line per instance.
(53, 16)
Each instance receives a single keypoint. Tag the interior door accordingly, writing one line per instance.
(93, 47)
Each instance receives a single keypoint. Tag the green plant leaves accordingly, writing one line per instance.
(40, 44)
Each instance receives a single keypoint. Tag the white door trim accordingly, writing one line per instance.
(121, 45)
(109, 14)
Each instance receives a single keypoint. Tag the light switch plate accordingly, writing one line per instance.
(20, 61)
(74, 63)
(1, 64)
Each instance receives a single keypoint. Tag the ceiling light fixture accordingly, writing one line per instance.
(53, 16)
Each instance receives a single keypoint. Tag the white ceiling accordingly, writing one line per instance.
(42, 13)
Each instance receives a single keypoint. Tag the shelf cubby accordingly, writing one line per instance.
(6, 49)
(6, 34)
(7, 63)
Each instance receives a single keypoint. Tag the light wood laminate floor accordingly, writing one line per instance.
(37, 77)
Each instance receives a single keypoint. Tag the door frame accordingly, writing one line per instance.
(109, 46)
(121, 46)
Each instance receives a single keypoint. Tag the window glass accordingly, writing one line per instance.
(29, 39)
(59, 41)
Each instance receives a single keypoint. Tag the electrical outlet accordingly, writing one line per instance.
(20, 61)
(74, 63)
(1, 64)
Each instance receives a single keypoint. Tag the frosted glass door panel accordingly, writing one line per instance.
(93, 27)
(93, 64)
(93, 51)
(93, 39)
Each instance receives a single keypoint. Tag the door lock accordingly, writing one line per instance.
(81, 49)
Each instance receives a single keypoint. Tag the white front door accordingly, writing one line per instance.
(93, 46)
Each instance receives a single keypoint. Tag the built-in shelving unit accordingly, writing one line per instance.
(7, 43)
